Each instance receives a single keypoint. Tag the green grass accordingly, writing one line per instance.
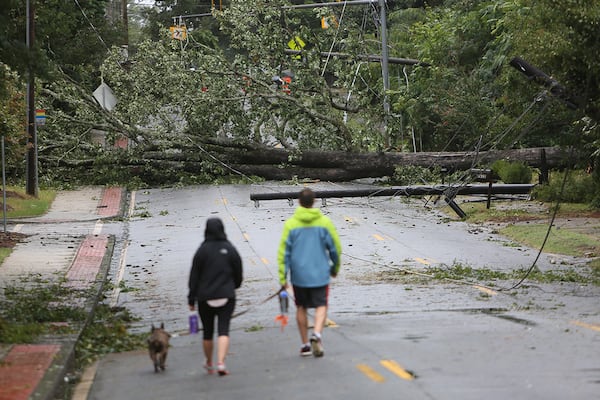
(478, 213)
(560, 241)
(19, 204)
(4, 252)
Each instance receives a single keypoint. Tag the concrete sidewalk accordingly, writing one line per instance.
(38, 370)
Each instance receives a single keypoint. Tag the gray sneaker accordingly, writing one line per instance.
(317, 346)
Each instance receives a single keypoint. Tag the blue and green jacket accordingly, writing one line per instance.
(309, 250)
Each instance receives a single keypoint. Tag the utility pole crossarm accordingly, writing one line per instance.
(331, 4)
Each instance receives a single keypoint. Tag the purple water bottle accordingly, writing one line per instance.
(193, 323)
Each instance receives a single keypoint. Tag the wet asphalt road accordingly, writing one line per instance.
(389, 337)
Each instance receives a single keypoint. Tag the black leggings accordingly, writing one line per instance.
(208, 314)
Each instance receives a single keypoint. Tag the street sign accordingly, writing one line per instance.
(178, 32)
(329, 21)
(105, 96)
(40, 117)
(296, 44)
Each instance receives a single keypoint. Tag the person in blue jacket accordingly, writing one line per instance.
(216, 273)
(309, 252)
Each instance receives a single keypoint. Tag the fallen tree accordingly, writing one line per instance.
(281, 164)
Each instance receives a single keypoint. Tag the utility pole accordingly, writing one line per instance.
(384, 52)
(385, 72)
(125, 22)
(32, 173)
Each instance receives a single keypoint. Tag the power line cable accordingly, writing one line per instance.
(91, 24)
(334, 38)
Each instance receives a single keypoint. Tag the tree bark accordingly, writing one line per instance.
(281, 164)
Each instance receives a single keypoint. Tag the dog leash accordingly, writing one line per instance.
(270, 297)
(258, 304)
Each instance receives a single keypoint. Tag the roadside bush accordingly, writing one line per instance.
(512, 172)
(579, 188)
(405, 175)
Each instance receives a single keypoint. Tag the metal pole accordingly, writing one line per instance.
(3, 186)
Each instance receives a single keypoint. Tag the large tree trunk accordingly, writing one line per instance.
(281, 164)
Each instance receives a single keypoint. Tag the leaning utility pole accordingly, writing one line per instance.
(32, 178)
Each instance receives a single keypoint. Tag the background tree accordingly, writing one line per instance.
(220, 84)
(71, 40)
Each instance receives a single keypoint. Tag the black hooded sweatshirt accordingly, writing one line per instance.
(216, 267)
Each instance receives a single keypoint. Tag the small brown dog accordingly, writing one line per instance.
(158, 346)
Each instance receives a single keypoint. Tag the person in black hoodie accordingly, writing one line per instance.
(216, 273)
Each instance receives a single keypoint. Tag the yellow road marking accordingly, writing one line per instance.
(397, 369)
(246, 236)
(329, 323)
(485, 290)
(586, 325)
(264, 260)
(348, 219)
(370, 373)
(422, 261)
(378, 237)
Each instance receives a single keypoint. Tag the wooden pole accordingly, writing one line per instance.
(32, 180)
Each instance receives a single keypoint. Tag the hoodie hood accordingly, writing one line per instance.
(307, 215)
(214, 230)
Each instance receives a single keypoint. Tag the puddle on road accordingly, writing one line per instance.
(414, 338)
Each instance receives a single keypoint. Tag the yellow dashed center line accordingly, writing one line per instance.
(378, 237)
(586, 325)
(331, 324)
(397, 369)
(264, 260)
(485, 290)
(246, 236)
(422, 261)
(370, 373)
